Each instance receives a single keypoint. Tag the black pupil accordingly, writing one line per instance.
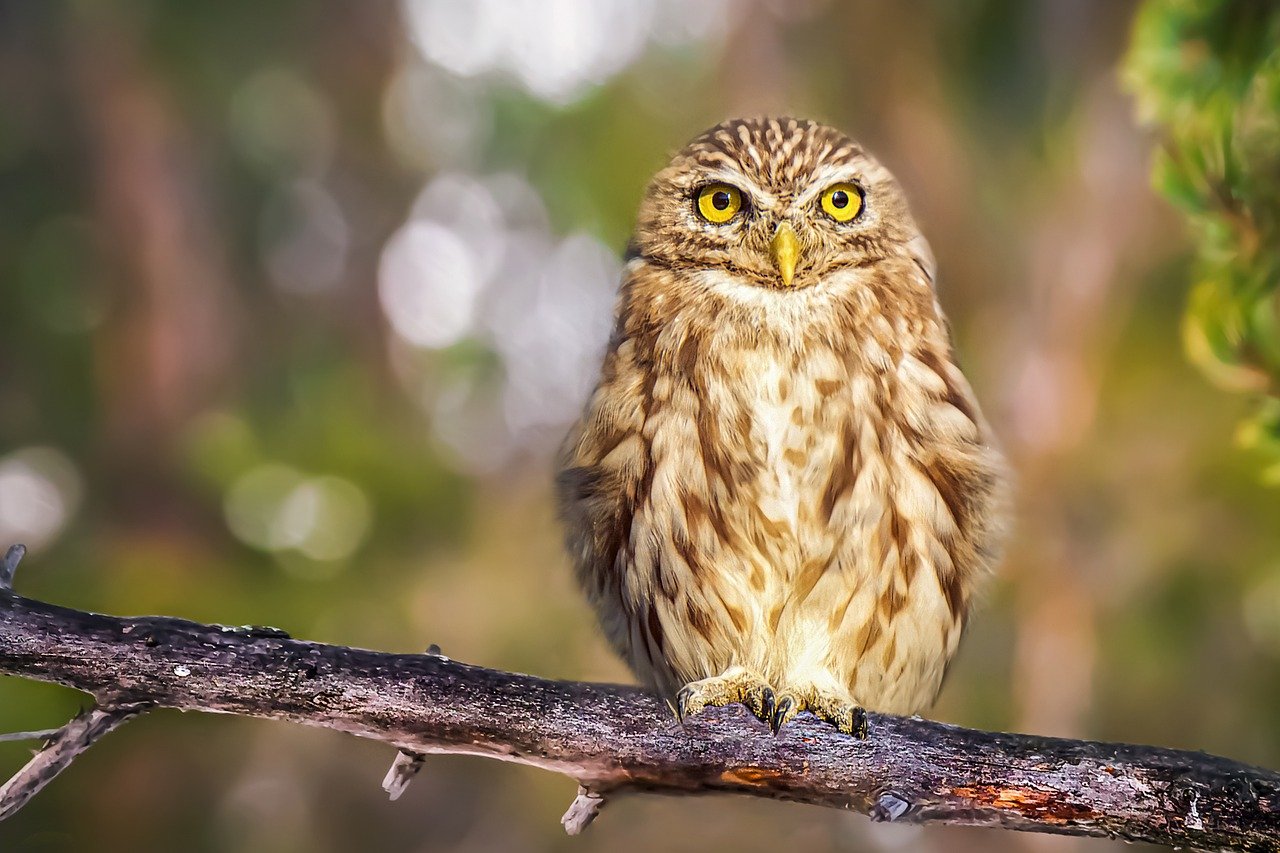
(720, 200)
(839, 199)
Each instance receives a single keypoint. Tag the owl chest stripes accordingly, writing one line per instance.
(770, 534)
(734, 526)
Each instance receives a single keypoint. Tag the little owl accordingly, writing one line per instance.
(782, 492)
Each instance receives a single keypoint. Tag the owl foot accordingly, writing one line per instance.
(844, 715)
(736, 685)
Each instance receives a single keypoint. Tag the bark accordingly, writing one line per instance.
(614, 739)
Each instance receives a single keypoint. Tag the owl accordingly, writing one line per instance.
(782, 492)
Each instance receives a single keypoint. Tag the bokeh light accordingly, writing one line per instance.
(557, 49)
(277, 508)
(477, 261)
(429, 282)
(40, 490)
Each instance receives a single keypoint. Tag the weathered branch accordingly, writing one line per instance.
(615, 739)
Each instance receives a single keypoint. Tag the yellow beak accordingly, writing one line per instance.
(785, 249)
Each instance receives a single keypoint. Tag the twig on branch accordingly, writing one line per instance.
(405, 766)
(582, 810)
(407, 763)
(615, 739)
(64, 745)
(9, 565)
(41, 734)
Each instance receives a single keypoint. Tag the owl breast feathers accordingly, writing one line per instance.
(782, 491)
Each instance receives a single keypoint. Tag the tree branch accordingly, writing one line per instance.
(614, 739)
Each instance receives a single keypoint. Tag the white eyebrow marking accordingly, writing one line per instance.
(748, 186)
(824, 178)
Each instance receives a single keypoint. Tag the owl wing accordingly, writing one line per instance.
(601, 467)
(596, 516)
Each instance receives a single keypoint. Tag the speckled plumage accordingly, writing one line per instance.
(781, 488)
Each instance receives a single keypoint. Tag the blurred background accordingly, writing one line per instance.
(297, 300)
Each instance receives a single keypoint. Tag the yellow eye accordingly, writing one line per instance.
(719, 203)
(842, 202)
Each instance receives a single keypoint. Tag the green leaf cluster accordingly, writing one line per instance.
(1207, 73)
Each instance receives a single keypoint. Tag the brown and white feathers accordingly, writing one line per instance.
(782, 485)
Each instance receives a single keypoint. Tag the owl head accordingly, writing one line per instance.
(775, 202)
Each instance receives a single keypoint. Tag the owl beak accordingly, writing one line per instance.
(785, 249)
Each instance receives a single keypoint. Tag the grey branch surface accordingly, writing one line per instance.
(615, 739)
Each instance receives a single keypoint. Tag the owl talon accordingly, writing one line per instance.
(845, 716)
(686, 703)
(849, 719)
(736, 686)
(768, 700)
(787, 707)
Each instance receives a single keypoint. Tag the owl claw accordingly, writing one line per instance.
(773, 708)
(845, 716)
(686, 703)
(733, 687)
(850, 719)
(767, 702)
(787, 707)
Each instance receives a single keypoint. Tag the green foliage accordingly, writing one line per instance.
(1208, 73)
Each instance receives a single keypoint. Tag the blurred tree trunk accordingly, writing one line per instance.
(168, 339)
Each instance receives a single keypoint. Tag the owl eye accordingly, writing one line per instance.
(719, 203)
(842, 202)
